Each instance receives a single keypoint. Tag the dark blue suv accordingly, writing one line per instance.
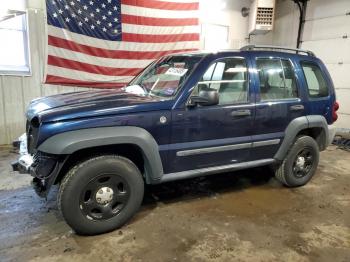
(185, 115)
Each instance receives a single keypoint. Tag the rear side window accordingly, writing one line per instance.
(277, 79)
(316, 83)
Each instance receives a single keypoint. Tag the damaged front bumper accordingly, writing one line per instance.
(25, 161)
(23, 164)
(43, 167)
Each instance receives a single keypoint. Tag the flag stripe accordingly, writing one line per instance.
(163, 83)
(98, 60)
(159, 30)
(139, 38)
(161, 4)
(58, 80)
(123, 46)
(116, 54)
(179, 1)
(141, 20)
(102, 70)
(156, 13)
(85, 76)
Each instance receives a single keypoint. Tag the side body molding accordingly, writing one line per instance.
(298, 124)
(69, 142)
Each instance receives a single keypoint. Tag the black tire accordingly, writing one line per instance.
(79, 196)
(292, 172)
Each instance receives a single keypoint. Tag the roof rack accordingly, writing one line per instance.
(254, 47)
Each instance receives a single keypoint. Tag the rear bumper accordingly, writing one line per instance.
(331, 134)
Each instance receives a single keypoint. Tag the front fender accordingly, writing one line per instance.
(69, 142)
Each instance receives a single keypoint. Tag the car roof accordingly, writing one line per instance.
(274, 51)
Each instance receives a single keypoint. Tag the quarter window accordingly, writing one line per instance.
(277, 79)
(316, 83)
(229, 77)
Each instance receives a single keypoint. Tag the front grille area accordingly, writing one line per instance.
(32, 136)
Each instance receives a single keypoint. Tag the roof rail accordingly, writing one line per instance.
(254, 47)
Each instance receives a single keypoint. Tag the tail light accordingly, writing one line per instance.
(334, 111)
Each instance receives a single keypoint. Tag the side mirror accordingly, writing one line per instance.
(206, 97)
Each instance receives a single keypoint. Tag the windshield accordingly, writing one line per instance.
(164, 77)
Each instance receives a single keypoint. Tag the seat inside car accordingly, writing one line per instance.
(233, 89)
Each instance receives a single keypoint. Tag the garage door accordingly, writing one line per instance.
(327, 33)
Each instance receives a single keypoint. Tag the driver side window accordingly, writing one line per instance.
(229, 78)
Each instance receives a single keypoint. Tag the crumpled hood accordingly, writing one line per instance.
(89, 104)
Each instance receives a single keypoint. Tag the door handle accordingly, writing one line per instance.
(296, 108)
(241, 113)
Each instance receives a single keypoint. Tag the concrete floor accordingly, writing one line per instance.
(242, 216)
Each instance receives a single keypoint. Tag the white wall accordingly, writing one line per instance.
(16, 92)
(229, 15)
(326, 24)
(285, 27)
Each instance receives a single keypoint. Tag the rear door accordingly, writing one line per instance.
(206, 136)
(278, 103)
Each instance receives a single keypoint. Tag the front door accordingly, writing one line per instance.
(206, 136)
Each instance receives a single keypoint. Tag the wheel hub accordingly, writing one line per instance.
(104, 195)
(300, 163)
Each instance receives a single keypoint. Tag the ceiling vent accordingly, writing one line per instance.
(261, 16)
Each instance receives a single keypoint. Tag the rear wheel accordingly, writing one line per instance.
(300, 164)
(100, 194)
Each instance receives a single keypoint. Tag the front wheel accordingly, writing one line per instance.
(100, 194)
(300, 164)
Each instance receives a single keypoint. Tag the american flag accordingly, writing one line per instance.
(105, 43)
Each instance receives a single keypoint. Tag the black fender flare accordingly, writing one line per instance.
(69, 142)
(298, 124)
